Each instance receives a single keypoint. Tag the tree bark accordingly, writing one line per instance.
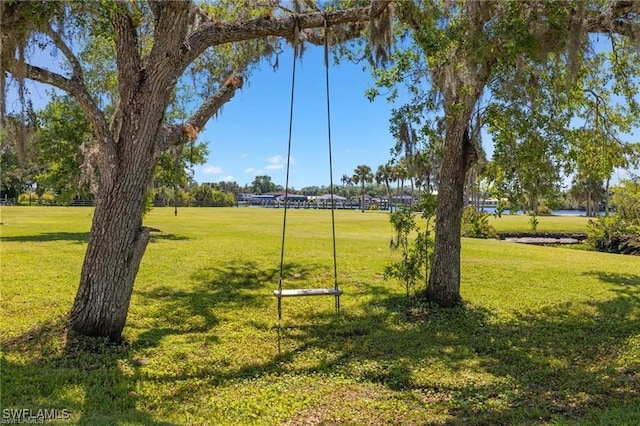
(444, 281)
(461, 84)
(118, 240)
(116, 246)
(606, 197)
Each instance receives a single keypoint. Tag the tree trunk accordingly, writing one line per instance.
(412, 191)
(114, 253)
(444, 282)
(606, 198)
(118, 240)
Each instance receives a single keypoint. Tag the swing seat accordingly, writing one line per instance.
(300, 292)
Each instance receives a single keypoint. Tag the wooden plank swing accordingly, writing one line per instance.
(335, 291)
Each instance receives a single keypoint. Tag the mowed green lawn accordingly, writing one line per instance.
(546, 335)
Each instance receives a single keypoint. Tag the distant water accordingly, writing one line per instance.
(492, 210)
(570, 212)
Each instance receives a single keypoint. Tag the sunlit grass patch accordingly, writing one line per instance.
(520, 223)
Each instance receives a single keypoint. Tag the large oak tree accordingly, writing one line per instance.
(464, 50)
(150, 46)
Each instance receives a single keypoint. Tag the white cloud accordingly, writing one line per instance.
(227, 179)
(276, 159)
(278, 162)
(275, 162)
(212, 170)
(244, 155)
(279, 159)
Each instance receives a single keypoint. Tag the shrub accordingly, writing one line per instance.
(475, 224)
(613, 235)
(619, 233)
(415, 262)
(544, 210)
(626, 199)
(534, 222)
(28, 198)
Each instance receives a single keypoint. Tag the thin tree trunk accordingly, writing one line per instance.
(467, 192)
(412, 191)
(606, 198)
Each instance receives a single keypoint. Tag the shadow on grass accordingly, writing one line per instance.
(559, 363)
(216, 289)
(77, 237)
(613, 278)
(62, 369)
(48, 363)
(229, 286)
(155, 237)
(80, 237)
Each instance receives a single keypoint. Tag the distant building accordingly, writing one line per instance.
(291, 198)
(264, 197)
(402, 199)
(327, 198)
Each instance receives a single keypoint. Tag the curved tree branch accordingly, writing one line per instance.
(180, 134)
(213, 104)
(620, 18)
(211, 33)
(216, 33)
(75, 87)
(76, 68)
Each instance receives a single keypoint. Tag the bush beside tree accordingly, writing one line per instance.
(619, 233)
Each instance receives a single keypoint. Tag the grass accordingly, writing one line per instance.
(520, 223)
(546, 335)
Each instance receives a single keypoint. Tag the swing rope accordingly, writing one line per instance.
(336, 292)
(286, 184)
(331, 189)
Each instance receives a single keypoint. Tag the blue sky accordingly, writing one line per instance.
(250, 136)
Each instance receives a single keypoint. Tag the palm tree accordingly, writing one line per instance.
(346, 183)
(400, 175)
(407, 142)
(423, 169)
(362, 175)
(384, 174)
